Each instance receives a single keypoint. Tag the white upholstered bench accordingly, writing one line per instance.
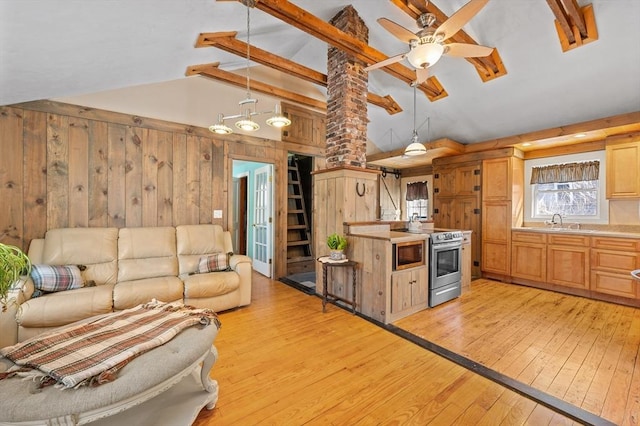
(159, 387)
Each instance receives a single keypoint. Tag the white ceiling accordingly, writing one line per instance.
(58, 49)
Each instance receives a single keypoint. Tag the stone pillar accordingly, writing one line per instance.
(347, 97)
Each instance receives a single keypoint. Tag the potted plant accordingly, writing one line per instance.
(336, 243)
(13, 264)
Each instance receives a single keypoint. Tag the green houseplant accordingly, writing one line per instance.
(336, 243)
(13, 263)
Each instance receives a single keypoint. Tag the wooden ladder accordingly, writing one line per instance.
(298, 233)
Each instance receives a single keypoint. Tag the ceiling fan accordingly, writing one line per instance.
(427, 46)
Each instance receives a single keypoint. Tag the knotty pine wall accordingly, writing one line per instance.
(64, 165)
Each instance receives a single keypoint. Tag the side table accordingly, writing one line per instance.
(330, 297)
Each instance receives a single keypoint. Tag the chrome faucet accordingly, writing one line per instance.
(553, 219)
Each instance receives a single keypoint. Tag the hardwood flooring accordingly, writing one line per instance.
(283, 362)
(582, 351)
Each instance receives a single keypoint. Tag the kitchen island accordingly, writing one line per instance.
(385, 294)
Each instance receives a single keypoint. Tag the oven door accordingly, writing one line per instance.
(445, 264)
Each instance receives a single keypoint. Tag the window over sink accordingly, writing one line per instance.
(571, 185)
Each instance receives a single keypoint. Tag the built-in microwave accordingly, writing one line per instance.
(408, 255)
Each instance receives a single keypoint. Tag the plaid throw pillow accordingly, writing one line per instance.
(49, 278)
(216, 262)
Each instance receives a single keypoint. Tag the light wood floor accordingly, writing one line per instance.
(582, 351)
(283, 362)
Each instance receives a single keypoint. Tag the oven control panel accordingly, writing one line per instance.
(447, 236)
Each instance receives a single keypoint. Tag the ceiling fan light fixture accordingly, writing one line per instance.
(425, 55)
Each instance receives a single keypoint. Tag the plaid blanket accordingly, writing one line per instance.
(93, 352)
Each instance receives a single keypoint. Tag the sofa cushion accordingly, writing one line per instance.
(216, 262)
(96, 248)
(56, 309)
(51, 278)
(195, 241)
(210, 285)
(146, 253)
(127, 294)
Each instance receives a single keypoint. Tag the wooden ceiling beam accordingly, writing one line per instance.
(228, 42)
(562, 20)
(212, 70)
(488, 67)
(305, 21)
(618, 125)
(575, 25)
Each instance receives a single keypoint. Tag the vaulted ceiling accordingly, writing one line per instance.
(557, 63)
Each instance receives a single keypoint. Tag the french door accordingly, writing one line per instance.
(262, 221)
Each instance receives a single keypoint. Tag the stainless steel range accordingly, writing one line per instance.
(445, 263)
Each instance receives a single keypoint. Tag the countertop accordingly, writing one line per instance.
(400, 236)
(585, 232)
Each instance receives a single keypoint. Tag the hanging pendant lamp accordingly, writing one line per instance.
(415, 148)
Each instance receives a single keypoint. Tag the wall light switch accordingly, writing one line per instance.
(217, 214)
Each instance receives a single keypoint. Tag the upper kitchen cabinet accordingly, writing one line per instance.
(623, 170)
(307, 127)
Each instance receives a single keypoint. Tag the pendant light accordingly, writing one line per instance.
(415, 148)
(248, 105)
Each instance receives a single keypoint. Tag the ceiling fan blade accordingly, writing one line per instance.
(460, 18)
(422, 74)
(388, 61)
(464, 50)
(397, 30)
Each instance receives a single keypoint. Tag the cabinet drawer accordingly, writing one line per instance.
(529, 237)
(569, 240)
(616, 261)
(612, 283)
(609, 243)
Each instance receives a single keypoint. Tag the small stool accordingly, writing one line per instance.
(330, 297)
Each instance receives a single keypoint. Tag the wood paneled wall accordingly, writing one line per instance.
(69, 166)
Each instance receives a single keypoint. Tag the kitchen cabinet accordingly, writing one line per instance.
(529, 256)
(568, 260)
(496, 239)
(502, 195)
(457, 201)
(409, 291)
(465, 270)
(612, 260)
(623, 170)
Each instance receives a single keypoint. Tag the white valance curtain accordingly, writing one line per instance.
(569, 172)
(417, 191)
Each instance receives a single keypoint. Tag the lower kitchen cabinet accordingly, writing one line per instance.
(568, 260)
(465, 270)
(612, 260)
(409, 291)
(598, 266)
(529, 256)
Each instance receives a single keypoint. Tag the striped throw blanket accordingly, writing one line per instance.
(91, 353)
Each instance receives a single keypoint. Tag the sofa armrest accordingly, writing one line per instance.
(242, 266)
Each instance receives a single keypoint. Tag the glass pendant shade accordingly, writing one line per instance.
(247, 125)
(220, 128)
(415, 148)
(278, 120)
(425, 55)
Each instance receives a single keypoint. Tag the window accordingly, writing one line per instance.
(421, 207)
(417, 200)
(569, 189)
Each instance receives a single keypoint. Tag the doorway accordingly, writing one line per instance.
(300, 257)
(253, 197)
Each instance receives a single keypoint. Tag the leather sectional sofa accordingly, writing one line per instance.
(125, 267)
